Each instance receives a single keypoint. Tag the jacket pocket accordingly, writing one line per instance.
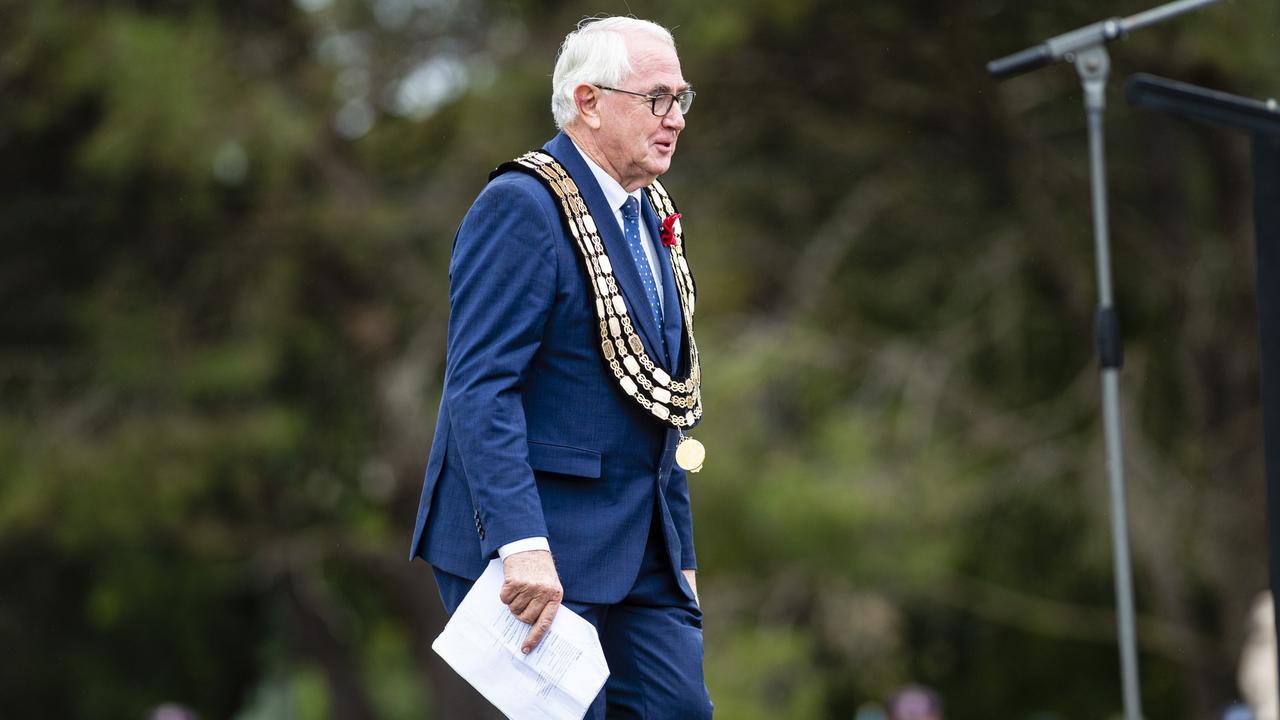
(564, 460)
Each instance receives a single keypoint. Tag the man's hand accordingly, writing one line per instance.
(692, 577)
(531, 588)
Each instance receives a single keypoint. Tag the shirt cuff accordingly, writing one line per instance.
(525, 545)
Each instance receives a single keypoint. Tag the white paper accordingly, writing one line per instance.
(558, 680)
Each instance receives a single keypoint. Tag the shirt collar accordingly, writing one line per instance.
(614, 194)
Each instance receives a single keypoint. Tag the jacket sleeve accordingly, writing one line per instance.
(502, 283)
(682, 516)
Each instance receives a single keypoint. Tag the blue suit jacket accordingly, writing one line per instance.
(534, 436)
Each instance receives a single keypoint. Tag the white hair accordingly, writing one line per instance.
(595, 53)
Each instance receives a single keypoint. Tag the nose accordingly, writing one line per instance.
(674, 119)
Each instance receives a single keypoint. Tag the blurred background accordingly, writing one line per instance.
(224, 236)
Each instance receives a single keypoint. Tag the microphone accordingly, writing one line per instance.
(1062, 47)
(1065, 46)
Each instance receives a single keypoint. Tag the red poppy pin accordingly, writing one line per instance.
(669, 238)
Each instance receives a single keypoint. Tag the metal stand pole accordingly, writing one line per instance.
(1085, 48)
(1093, 65)
(1262, 121)
(1266, 209)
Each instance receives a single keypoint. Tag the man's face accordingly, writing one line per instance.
(638, 144)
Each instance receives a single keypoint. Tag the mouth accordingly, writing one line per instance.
(665, 146)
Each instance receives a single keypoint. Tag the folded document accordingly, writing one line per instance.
(558, 680)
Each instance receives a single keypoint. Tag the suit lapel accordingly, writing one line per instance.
(671, 314)
(624, 269)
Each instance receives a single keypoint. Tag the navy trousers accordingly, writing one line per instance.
(652, 641)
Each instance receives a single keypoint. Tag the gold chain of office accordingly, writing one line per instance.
(675, 402)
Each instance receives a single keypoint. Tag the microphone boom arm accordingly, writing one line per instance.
(1064, 47)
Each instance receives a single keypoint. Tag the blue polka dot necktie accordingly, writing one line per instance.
(631, 228)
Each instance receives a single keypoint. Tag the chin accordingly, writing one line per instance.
(658, 166)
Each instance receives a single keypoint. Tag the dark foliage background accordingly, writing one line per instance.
(224, 235)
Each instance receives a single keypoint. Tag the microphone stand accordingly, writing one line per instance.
(1085, 48)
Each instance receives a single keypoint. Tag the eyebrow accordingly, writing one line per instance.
(666, 89)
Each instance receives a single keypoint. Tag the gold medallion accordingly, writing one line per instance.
(690, 454)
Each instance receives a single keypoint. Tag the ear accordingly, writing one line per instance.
(587, 98)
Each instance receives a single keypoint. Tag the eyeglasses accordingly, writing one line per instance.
(661, 102)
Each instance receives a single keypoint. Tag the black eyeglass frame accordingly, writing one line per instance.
(654, 98)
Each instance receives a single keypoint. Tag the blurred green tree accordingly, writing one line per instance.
(225, 230)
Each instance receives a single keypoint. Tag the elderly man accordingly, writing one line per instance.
(572, 379)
